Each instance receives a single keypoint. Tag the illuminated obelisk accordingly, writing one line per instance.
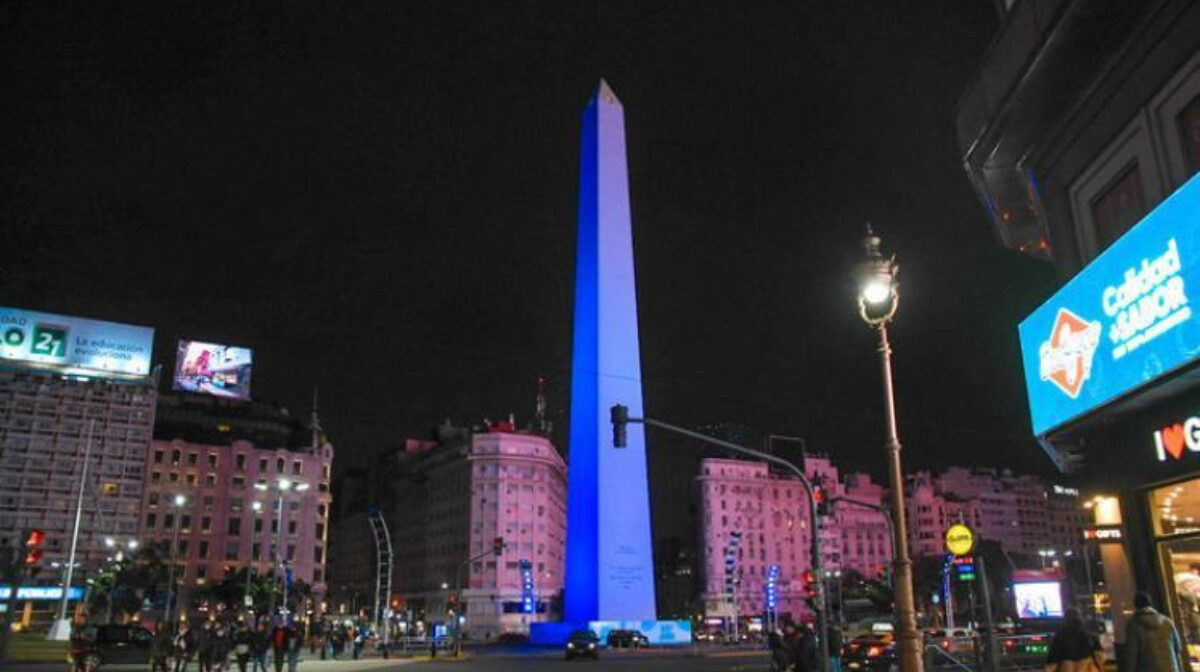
(610, 567)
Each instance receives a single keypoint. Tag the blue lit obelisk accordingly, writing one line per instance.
(610, 567)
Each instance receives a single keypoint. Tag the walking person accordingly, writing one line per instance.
(1151, 641)
(243, 646)
(833, 641)
(260, 643)
(1073, 648)
(184, 646)
(780, 660)
(281, 638)
(204, 647)
(160, 648)
(295, 645)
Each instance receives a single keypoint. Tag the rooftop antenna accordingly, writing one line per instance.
(316, 424)
(542, 425)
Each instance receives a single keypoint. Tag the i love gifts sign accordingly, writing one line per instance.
(1171, 441)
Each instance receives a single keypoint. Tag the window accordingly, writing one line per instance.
(169, 521)
(262, 465)
(1119, 207)
(235, 527)
(203, 549)
(185, 523)
(236, 504)
(258, 525)
(212, 461)
(231, 551)
(173, 477)
(208, 502)
(1189, 128)
(153, 499)
(210, 480)
(291, 552)
(239, 481)
(240, 462)
(279, 465)
(201, 572)
(318, 555)
(297, 467)
(193, 459)
(191, 479)
(183, 547)
(158, 457)
(155, 477)
(151, 518)
(174, 458)
(291, 528)
(206, 524)
(320, 530)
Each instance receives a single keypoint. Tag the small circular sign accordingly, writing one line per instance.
(960, 539)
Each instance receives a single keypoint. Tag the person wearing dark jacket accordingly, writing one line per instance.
(1073, 648)
(779, 653)
(802, 648)
(281, 642)
(160, 648)
(1151, 642)
(243, 646)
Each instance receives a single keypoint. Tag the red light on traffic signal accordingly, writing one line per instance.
(35, 537)
(34, 557)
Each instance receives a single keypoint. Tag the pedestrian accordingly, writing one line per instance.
(280, 643)
(780, 660)
(221, 646)
(184, 646)
(259, 645)
(80, 641)
(243, 646)
(1073, 648)
(204, 647)
(335, 641)
(1151, 641)
(833, 644)
(802, 648)
(160, 648)
(296, 643)
(359, 639)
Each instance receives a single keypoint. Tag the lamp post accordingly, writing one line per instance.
(283, 486)
(878, 299)
(251, 562)
(178, 502)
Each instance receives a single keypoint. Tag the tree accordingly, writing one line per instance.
(121, 587)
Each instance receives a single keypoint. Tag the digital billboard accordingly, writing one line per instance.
(1038, 599)
(210, 368)
(74, 344)
(1122, 322)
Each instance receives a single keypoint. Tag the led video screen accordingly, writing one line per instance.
(1041, 599)
(209, 368)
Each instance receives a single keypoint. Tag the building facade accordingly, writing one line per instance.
(233, 512)
(1081, 136)
(1020, 512)
(446, 502)
(50, 425)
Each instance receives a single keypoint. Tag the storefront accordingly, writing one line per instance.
(1112, 369)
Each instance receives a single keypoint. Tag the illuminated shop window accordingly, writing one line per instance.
(1176, 508)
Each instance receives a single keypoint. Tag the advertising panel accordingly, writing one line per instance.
(75, 343)
(1041, 599)
(210, 368)
(1122, 322)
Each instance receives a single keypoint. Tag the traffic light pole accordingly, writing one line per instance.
(458, 596)
(620, 416)
(61, 630)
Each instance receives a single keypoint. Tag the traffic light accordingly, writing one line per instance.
(33, 550)
(620, 420)
(821, 498)
(812, 590)
(498, 546)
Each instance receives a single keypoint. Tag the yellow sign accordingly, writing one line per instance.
(960, 539)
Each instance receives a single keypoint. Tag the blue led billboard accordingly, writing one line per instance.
(1122, 322)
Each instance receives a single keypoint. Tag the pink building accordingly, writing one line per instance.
(771, 514)
(445, 503)
(230, 513)
(1020, 512)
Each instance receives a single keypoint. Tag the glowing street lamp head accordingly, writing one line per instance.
(180, 500)
(877, 287)
(133, 544)
(284, 484)
(257, 506)
(301, 487)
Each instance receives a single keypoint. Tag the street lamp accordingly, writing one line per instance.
(878, 299)
(283, 486)
(251, 562)
(179, 501)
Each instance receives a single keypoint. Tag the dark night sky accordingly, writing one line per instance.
(380, 199)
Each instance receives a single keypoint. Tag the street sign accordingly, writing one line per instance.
(960, 540)
(248, 601)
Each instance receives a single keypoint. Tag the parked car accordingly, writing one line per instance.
(961, 643)
(100, 645)
(871, 653)
(626, 639)
(583, 643)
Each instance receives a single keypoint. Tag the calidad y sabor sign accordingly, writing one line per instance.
(1122, 322)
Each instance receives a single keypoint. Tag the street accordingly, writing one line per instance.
(504, 661)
